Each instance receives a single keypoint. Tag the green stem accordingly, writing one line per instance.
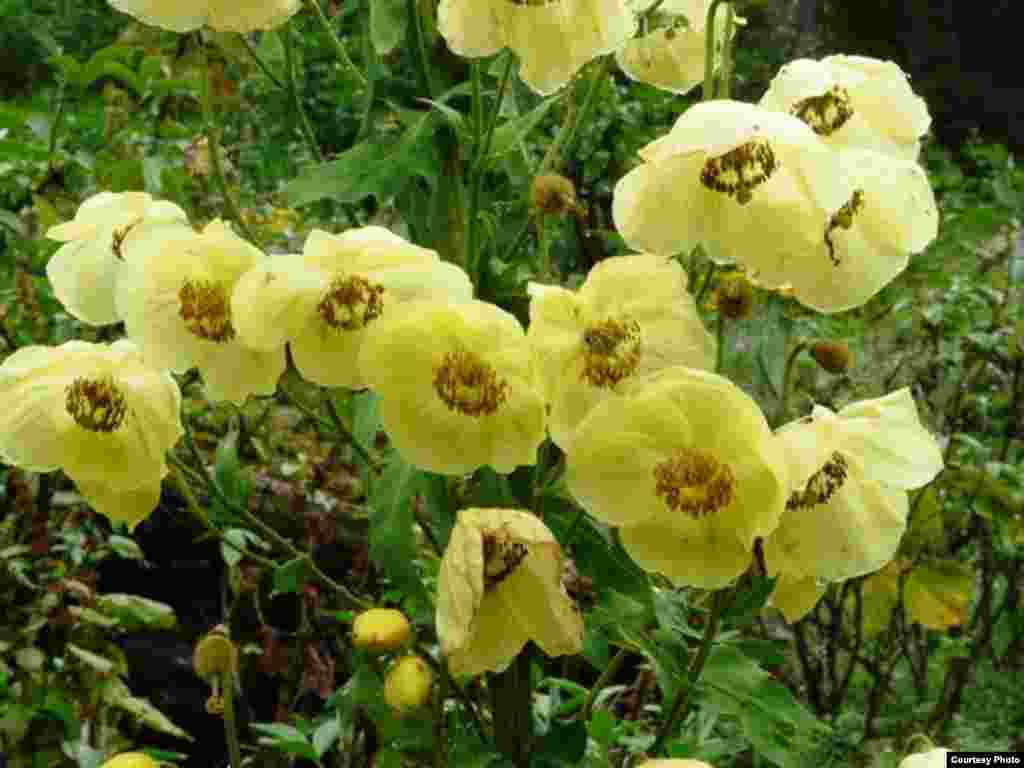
(230, 726)
(440, 745)
(562, 145)
(493, 120)
(709, 51)
(680, 706)
(787, 377)
(472, 258)
(285, 34)
(606, 675)
(213, 144)
(423, 72)
(511, 700)
(725, 70)
(704, 286)
(58, 119)
(720, 337)
(343, 428)
(260, 63)
(339, 48)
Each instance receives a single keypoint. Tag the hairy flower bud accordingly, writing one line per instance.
(553, 195)
(407, 685)
(735, 297)
(215, 654)
(380, 630)
(833, 356)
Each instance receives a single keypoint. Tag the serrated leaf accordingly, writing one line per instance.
(387, 24)
(937, 593)
(392, 539)
(506, 137)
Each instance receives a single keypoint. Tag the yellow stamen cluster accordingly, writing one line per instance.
(695, 482)
(843, 219)
(611, 351)
(206, 310)
(502, 555)
(96, 405)
(823, 485)
(351, 303)
(827, 113)
(467, 384)
(738, 172)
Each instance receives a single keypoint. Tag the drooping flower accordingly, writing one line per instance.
(175, 298)
(849, 475)
(749, 184)
(324, 301)
(457, 386)
(867, 241)
(853, 101)
(553, 38)
(933, 758)
(223, 15)
(499, 586)
(98, 412)
(684, 463)
(632, 316)
(671, 54)
(84, 270)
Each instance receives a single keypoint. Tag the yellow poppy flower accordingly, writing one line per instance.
(632, 316)
(499, 586)
(853, 101)
(84, 270)
(552, 38)
(324, 301)
(685, 464)
(457, 386)
(849, 474)
(671, 54)
(131, 760)
(222, 15)
(867, 242)
(98, 412)
(750, 185)
(175, 298)
(795, 596)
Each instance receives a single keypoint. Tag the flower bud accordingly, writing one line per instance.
(735, 296)
(407, 685)
(215, 654)
(553, 195)
(130, 760)
(380, 630)
(833, 356)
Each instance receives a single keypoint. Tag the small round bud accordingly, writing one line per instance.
(130, 760)
(735, 296)
(553, 195)
(407, 685)
(215, 654)
(380, 630)
(833, 356)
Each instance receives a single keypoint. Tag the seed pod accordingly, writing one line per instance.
(833, 356)
(553, 195)
(407, 685)
(735, 296)
(215, 654)
(380, 630)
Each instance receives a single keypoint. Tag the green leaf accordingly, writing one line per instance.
(750, 600)
(507, 136)
(241, 538)
(380, 167)
(136, 612)
(69, 67)
(392, 536)
(387, 24)
(285, 738)
(227, 471)
(125, 547)
(326, 735)
(564, 743)
(290, 576)
(116, 693)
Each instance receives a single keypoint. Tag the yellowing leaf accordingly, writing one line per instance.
(880, 593)
(938, 592)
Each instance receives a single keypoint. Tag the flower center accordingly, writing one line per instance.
(96, 404)
(351, 303)
(843, 219)
(502, 555)
(739, 171)
(611, 351)
(827, 113)
(206, 310)
(695, 482)
(823, 485)
(467, 384)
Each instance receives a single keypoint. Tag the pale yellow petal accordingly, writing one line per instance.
(460, 585)
(704, 556)
(473, 28)
(275, 301)
(131, 506)
(795, 596)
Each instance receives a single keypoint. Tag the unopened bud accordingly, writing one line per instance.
(380, 630)
(215, 654)
(407, 685)
(833, 356)
(553, 195)
(130, 760)
(735, 296)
